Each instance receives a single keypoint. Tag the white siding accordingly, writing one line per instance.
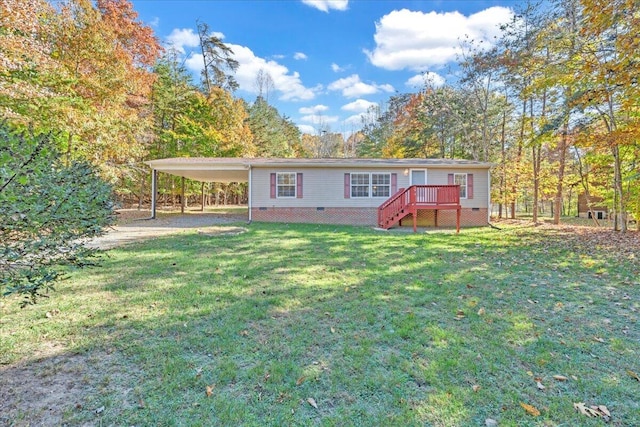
(480, 184)
(324, 187)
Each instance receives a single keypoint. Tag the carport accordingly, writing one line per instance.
(202, 169)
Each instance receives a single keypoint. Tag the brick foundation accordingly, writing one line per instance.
(365, 216)
(346, 216)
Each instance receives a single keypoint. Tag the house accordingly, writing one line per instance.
(597, 210)
(377, 192)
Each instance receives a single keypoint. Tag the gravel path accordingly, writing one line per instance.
(133, 226)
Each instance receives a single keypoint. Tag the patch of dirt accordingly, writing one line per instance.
(133, 226)
(55, 386)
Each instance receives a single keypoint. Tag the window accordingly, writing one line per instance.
(380, 185)
(370, 185)
(359, 185)
(286, 184)
(461, 180)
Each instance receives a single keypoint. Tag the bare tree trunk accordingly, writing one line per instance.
(562, 148)
(620, 219)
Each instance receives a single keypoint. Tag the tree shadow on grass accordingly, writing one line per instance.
(375, 328)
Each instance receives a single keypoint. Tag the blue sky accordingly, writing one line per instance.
(330, 59)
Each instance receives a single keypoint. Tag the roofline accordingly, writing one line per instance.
(238, 163)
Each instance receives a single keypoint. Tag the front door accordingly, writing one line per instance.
(418, 177)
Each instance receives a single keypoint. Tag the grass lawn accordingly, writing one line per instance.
(332, 325)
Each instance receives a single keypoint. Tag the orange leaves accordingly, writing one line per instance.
(530, 409)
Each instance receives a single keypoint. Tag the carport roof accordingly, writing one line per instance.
(236, 169)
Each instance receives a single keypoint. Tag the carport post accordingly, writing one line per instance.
(154, 190)
(249, 195)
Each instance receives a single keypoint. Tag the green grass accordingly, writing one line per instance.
(378, 328)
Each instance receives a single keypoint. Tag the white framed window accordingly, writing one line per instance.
(360, 185)
(461, 180)
(370, 185)
(380, 184)
(286, 185)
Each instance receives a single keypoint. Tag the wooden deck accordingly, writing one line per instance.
(408, 201)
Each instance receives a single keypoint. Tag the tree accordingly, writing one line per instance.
(264, 84)
(219, 65)
(48, 209)
(609, 82)
(273, 134)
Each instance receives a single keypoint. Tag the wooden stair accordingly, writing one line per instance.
(407, 201)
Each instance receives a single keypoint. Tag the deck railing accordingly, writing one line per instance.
(409, 200)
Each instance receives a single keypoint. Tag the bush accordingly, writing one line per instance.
(48, 210)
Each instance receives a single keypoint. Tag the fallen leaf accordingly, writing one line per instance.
(560, 378)
(598, 339)
(209, 390)
(50, 314)
(481, 312)
(633, 375)
(244, 333)
(333, 330)
(531, 410)
(476, 387)
(300, 380)
(599, 411)
(540, 386)
(312, 402)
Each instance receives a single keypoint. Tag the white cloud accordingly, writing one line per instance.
(299, 56)
(154, 22)
(417, 40)
(287, 83)
(181, 38)
(313, 110)
(355, 119)
(359, 106)
(429, 79)
(325, 5)
(319, 118)
(336, 68)
(307, 129)
(353, 87)
(195, 62)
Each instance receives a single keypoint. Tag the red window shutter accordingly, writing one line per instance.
(450, 179)
(299, 186)
(273, 185)
(347, 185)
(394, 183)
(470, 186)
